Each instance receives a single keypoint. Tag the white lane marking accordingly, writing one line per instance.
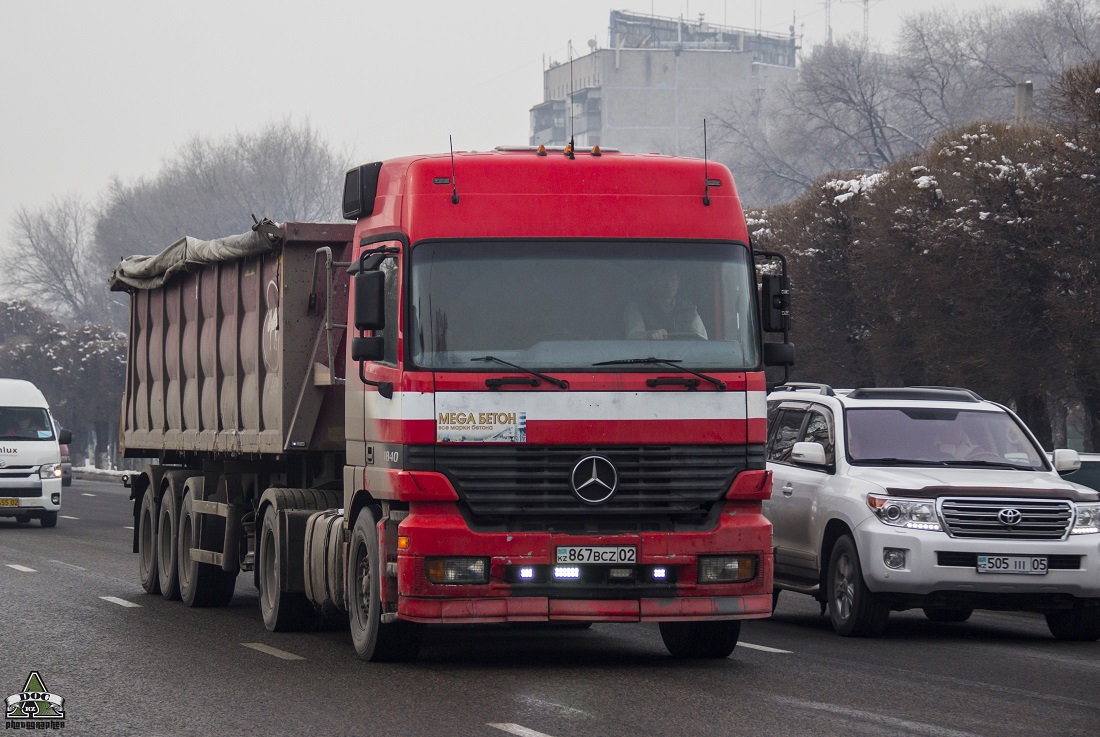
(541, 704)
(892, 723)
(763, 648)
(24, 569)
(517, 729)
(272, 651)
(67, 565)
(87, 494)
(65, 516)
(120, 602)
(128, 527)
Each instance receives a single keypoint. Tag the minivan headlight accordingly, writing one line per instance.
(912, 514)
(1087, 521)
(50, 471)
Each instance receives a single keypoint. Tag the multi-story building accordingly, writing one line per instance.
(652, 89)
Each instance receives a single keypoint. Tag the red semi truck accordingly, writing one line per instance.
(547, 403)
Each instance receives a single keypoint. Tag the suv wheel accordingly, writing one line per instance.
(854, 610)
(1080, 623)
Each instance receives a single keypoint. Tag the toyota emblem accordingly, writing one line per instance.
(594, 479)
(1010, 517)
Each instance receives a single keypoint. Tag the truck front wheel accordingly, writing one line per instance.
(373, 640)
(701, 639)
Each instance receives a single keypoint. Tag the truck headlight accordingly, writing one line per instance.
(1087, 521)
(912, 514)
(726, 568)
(50, 471)
(457, 570)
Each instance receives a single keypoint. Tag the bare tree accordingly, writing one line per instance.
(53, 260)
(212, 188)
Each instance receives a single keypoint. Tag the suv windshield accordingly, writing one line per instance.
(25, 423)
(930, 436)
(548, 305)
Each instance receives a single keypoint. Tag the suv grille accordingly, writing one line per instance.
(528, 487)
(981, 518)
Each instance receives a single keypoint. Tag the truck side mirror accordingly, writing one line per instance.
(775, 311)
(368, 349)
(370, 306)
(778, 354)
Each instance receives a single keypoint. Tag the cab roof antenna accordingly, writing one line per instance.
(571, 147)
(706, 177)
(454, 181)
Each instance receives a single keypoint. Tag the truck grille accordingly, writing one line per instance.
(522, 487)
(1039, 519)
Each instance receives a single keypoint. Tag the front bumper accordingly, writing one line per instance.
(437, 529)
(30, 495)
(936, 562)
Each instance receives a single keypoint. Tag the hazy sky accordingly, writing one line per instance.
(92, 90)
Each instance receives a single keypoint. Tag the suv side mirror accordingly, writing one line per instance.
(808, 454)
(1066, 460)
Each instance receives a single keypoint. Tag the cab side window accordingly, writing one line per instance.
(389, 267)
(784, 434)
(819, 429)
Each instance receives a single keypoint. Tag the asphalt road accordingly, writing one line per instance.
(134, 664)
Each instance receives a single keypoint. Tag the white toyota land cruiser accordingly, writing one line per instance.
(892, 499)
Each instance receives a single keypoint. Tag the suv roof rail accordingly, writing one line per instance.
(925, 393)
(794, 386)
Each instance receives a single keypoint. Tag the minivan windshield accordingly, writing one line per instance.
(939, 437)
(25, 423)
(555, 305)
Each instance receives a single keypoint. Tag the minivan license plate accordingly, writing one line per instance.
(597, 554)
(1033, 564)
(9, 502)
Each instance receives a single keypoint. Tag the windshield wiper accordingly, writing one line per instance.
(897, 462)
(672, 362)
(989, 464)
(559, 383)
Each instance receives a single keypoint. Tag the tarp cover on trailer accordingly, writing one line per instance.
(152, 272)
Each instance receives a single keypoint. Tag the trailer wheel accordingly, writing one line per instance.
(147, 543)
(283, 611)
(167, 542)
(701, 639)
(201, 584)
(373, 640)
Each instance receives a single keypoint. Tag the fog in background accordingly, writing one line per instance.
(95, 91)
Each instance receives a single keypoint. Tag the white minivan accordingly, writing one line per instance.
(30, 454)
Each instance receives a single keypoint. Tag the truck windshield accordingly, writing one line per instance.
(939, 437)
(556, 305)
(25, 423)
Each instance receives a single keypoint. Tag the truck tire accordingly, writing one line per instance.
(701, 639)
(373, 640)
(943, 614)
(854, 610)
(201, 584)
(48, 519)
(283, 611)
(1081, 623)
(147, 543)
(167, 544)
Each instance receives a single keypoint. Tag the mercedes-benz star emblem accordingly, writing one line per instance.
(594, 479)
(1010, 517)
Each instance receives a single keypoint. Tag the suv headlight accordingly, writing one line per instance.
(912, 514)
(1088, 519)
(50, 471)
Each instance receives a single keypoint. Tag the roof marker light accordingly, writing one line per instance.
(569, 150)
(596, 150)
(542, 150)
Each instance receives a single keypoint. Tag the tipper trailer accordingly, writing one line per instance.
(443, 414)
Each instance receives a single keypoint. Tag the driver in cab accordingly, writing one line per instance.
(664, 314)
